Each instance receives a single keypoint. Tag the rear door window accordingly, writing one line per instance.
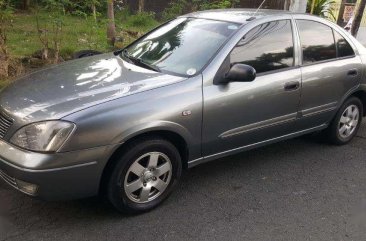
(317, 41)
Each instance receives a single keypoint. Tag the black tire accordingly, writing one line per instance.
(333, 133)
(116, 184)
(85, 53)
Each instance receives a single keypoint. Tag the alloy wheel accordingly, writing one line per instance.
(148, 177)
(348, 121)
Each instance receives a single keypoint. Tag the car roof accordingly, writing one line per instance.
(237, 15)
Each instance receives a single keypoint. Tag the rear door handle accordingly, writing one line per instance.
(352, 72)
(292, 85)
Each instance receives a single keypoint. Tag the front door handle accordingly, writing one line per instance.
(352, 72)
(292, 85)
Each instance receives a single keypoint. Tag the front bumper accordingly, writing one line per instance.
(58, 176)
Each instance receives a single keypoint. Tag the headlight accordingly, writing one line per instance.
(47, 136)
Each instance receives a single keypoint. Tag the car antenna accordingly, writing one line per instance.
(256, 11)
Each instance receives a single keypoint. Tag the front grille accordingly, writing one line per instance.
(8, 179)
(5, 123)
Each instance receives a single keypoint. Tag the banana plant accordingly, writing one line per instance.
(322, 8)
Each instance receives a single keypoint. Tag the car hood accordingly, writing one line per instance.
(75, 85)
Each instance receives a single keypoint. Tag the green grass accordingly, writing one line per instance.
(3, 83)
(78, 32)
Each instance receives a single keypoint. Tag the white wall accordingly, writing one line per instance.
(298, 6)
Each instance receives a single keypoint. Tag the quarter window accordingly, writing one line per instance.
(344, 49)
(266, 47)
(317, 41)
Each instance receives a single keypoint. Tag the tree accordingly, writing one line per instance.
(141, 6)
(51, 29)
(111, 29)
(26, 4)
(94, 10)
(358, 18)
(312, 6)
(92, 4)
(5, 25)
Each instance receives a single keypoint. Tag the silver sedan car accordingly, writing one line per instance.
(199, 87)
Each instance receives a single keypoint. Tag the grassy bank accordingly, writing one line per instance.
(78, 32)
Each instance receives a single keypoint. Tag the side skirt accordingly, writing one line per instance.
(253, 146)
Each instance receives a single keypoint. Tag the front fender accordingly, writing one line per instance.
(161, 109)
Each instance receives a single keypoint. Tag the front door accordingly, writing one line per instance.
(240, 114)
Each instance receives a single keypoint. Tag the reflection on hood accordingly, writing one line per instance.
(63, 89)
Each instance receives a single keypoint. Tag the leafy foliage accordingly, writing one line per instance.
(179, 7)
(6, 13)
(219, 4)
(176, 8)
(75, 7)
(142, 19)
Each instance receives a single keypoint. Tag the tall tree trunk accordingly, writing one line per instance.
(4, 67)
(141, 6)
(4, 55)
(341, 12)
(358, 18)
(111, 30)
(26, 4)
(94, 10)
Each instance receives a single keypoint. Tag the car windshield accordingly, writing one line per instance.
(182, 46)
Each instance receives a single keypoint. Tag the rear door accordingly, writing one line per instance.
(330, 69)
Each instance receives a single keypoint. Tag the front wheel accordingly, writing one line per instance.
(144, 175)
(346, 123)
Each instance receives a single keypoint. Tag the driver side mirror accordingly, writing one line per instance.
(240, 73)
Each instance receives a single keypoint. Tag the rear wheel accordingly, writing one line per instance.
(144, 175)
(346, 123)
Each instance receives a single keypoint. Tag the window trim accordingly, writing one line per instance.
(277, 71)
(293, 42)
(301, 55)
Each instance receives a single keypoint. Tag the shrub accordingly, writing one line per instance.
(219, 4)
(67, 52)
(175, 9)
(143, 19)
(179, 7)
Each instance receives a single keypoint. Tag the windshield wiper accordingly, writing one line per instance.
(118, 52)
(140, 62)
